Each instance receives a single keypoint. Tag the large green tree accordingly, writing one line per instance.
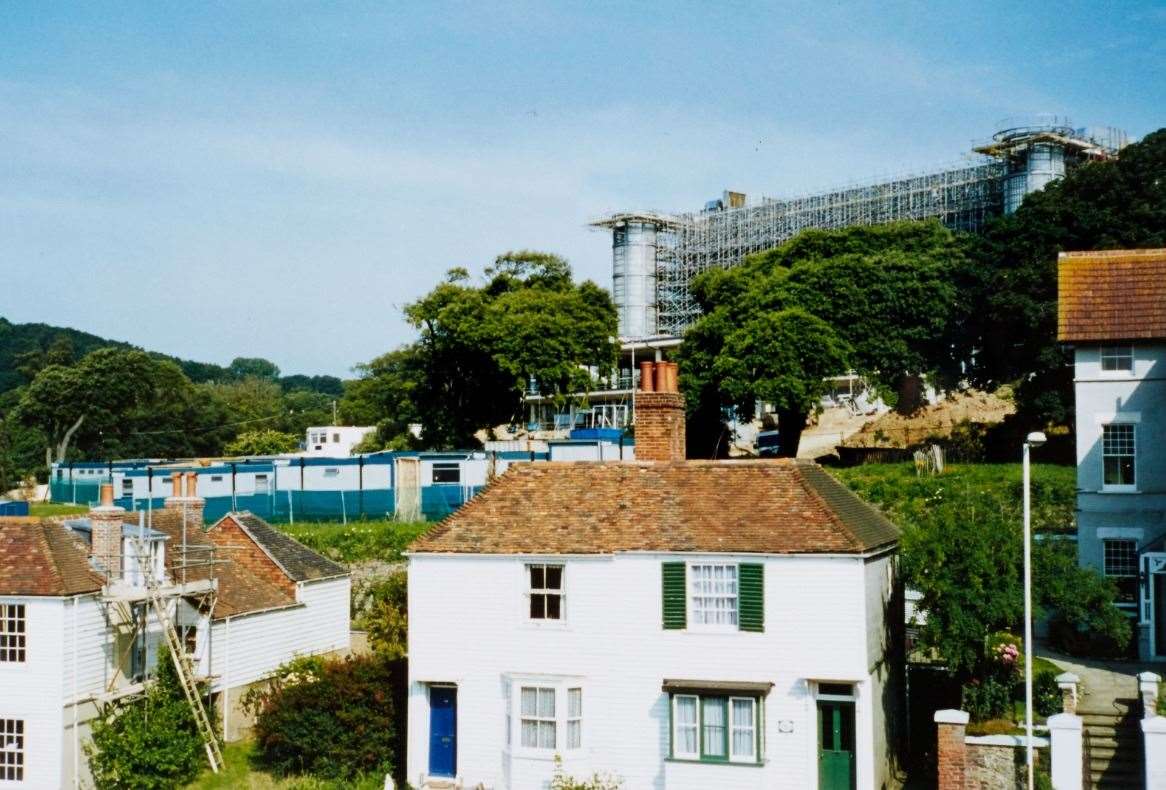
(886, 292)
(480, 345)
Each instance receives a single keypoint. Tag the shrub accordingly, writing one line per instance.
(597, 781)
(1046, 694)
(329, 717)
(150, 743)
(1081, 600)
(986, 699)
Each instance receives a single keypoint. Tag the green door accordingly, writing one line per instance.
(835, 745)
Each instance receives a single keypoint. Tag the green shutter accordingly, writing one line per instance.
(675, 608)
(751, 597)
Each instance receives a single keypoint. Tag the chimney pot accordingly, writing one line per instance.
(647, 382)
(661, 376)
(192, 484)
(176, 484)
(107, 494)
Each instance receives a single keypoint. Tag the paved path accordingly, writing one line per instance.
(1102, 682)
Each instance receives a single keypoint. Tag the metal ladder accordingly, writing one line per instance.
(182, 665)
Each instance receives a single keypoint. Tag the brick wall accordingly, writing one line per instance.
(244, 552)
(659, 426)
(951, 749)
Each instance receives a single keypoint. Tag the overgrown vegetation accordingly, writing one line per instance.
(381, 608)
(149, 743)
(330, 718)
(962, 551)
(242, 771)
(357, 541)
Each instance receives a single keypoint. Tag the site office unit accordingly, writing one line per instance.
(774, 663)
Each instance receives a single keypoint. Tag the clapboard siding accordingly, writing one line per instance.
(614, 645)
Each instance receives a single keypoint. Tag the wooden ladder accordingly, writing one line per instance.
(182, 665)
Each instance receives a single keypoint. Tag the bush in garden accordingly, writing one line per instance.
(1046, 694)
(986, 698)
(332, 718)
(384, 614)
(597, 781)
(149, 743)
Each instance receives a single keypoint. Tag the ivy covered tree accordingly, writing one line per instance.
(263, 442)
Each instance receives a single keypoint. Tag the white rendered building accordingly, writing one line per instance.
(335, 441)
(678, 624)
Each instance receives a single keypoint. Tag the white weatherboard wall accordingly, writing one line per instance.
(249, 647)
(468, 626)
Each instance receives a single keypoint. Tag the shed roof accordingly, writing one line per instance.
(765, 507)
(1111, 295)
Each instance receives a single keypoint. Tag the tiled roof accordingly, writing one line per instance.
(43, 558)
(1111, 295)
(763, 507)
(294, 558)
(240, 590)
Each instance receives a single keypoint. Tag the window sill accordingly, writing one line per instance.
(547, 625)
(705, 761)
(1119, 490)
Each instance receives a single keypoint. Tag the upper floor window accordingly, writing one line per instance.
(13, 632)
(713, 594)
(1121, 564)
(332, 471)
(12, 750)
(720, 595)
(1117, 359)
(546, 591)
(447, 473)
(1117, 452)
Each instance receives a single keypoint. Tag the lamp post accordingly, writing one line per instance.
(1035, 439)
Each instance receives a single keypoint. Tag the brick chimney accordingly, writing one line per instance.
(659, 414)
(105, 522)
(184, 498)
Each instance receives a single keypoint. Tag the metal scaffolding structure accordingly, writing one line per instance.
(656, 255)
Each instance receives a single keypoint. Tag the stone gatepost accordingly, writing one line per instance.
(1067, 682)
(1148, 692)
(951, 748)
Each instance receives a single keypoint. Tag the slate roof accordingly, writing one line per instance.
(43, 558)
(240, 590)
(778, 506)
(296, 560)
(1111, 295)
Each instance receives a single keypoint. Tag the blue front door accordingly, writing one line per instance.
(443, 730)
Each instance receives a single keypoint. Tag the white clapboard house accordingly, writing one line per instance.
(680, 624)
(77, 631)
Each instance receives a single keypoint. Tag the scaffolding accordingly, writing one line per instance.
(1026, 155)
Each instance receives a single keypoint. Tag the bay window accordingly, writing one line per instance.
(716, 727)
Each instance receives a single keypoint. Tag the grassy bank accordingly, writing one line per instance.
(241, 773)
(992, 491)
(45, 509)
(357, 541)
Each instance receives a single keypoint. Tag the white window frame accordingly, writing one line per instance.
(538, 718)
(446, 465)
(1120, 487)
(691, 594)
(13, 740)
(531, 590)
(574, 719)
(1116, 354)
(731, 756)
(562, 686)
(15, 641)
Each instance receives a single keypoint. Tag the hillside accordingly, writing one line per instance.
(25, 345)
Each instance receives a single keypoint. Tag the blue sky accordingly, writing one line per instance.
(277, 179)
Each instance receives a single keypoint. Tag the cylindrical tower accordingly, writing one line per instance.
(1030, 168)
(633, 281)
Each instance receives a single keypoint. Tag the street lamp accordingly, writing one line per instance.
(1035, 439)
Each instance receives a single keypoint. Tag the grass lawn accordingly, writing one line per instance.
(357, 540)
(993, 490)
(239, 773)
(43, 509)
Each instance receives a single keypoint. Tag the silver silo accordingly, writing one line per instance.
(633, 281)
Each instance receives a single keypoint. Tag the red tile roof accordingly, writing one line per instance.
(1111, 295)
(43, 558)
(764, 507)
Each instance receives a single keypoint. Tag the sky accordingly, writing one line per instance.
(278, 179)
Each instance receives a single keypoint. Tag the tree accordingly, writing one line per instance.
(480, 346)
(263, 442)
(253, 367)
(384, 394)
(385, 614)
(780, 358)
(886, 293)
(151, 743)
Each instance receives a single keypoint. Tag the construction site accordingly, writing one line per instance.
(656, 255)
